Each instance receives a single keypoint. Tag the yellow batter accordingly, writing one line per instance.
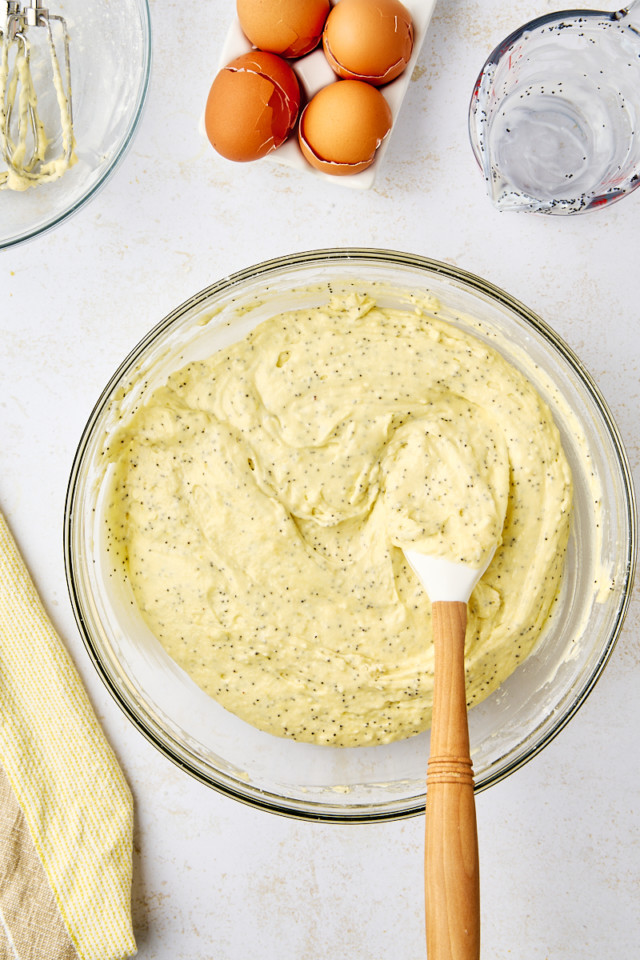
(261, 496)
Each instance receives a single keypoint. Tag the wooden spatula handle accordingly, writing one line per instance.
(452, 889)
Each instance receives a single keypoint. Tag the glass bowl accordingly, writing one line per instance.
(110, 56)
(361, 783)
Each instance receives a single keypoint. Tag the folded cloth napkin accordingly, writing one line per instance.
(66, 812)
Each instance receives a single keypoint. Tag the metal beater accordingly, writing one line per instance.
(24, 139)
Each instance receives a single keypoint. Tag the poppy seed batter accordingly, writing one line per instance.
(261, 497)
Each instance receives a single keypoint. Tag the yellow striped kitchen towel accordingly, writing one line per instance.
(66, 811)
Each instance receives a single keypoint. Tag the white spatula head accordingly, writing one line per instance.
(443, 580)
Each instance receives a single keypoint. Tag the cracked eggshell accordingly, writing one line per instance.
(368, 40)
(290, 28)
(342, 126)
(252, 106)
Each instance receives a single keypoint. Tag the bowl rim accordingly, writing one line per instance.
(308, 809)
(55, 220)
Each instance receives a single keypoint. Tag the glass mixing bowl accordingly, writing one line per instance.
(110, 57)
(380, 782)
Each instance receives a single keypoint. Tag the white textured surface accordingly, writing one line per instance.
(560, 839)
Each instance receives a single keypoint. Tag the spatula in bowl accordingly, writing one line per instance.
(446, 493)
(452, 888)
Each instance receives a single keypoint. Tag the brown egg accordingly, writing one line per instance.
(290, 28)
(252, 106)
(342, 127)
(368, 40)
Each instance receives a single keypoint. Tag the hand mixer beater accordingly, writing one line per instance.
(36, 123)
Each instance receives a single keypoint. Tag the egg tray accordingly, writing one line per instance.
(314, 72)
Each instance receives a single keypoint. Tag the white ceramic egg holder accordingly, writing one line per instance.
(313, 73)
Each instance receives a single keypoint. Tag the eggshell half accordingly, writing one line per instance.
(368, 40)
(252, 106)
(342, 127)
(290, 28)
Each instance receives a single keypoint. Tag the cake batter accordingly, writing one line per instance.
(261, 497)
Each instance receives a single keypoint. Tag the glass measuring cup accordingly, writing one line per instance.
(554, 118)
